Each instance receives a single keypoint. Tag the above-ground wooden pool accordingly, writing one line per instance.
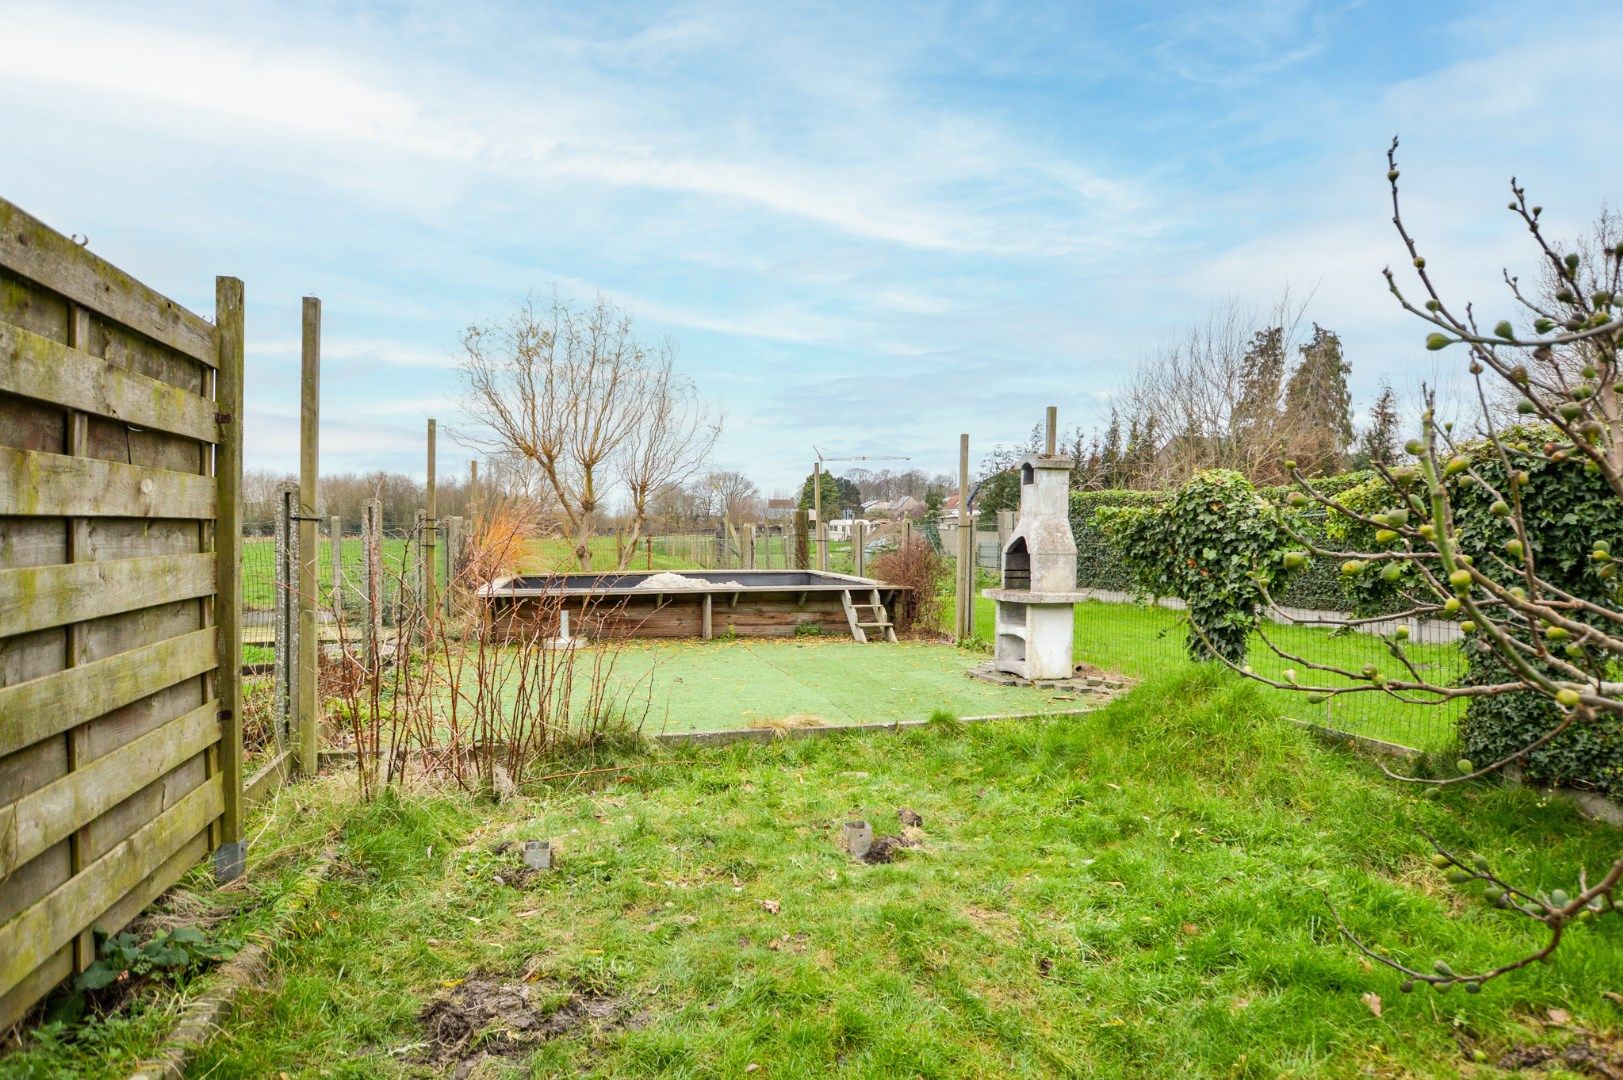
(706, 603)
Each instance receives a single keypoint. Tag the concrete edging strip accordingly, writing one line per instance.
(207, 1013)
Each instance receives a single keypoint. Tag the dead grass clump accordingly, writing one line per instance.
(791, 722)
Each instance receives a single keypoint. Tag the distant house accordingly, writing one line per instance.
(904, 506)
(779, 509)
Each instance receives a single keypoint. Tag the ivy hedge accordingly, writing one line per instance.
(1217, 541)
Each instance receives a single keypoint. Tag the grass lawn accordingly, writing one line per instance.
(1143, 641)
(1137, 893)
(710, 685)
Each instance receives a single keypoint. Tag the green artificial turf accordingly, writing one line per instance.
(1136, 893)
(711, 685)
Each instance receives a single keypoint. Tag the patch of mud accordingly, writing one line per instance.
(1580, 1056)
(495, 1016)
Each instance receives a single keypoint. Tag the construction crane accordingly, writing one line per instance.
(817, 494)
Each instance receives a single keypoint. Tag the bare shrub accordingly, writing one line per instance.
(917, 567)
(457, 695)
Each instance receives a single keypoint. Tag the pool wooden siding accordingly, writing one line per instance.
(762, 604)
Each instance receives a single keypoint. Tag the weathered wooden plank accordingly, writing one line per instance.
(15, 1003)
(49, 705)
(35, 597)
(44, 817)
(29, 939)
(38, 252)
(268, 779)
(228, 393)
(36, 367)
(55, 485)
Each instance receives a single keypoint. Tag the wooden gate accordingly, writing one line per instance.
(120, 637)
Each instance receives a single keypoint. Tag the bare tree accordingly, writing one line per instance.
(1552, 627)
(672, 436)
(733, 497)
(1215, 397)
(573, 391)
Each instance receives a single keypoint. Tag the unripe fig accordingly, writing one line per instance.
(1467, 626)
(1459, 877)
(1505, 330)
(1556, 633)
(1441, 861)
(1513, 548)
(1455, 466)
(1460, 579)
(1401, 633)
(1500, 508)
(1526, 408)
(1559, 898)
(1451, 605)
(1464, 766)
(1351, 567)
(1295, 560)
(1567, 697)
(1415, 447)
(1385, 536)
(1391, 572)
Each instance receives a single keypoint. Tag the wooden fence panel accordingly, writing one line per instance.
(120, 465)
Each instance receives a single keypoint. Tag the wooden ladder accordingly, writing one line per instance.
(876, 617)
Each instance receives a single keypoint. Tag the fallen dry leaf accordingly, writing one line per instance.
(771, 906)
(752, 1067)
(1559, 1017)
(1372, 1002)
(1190, 929)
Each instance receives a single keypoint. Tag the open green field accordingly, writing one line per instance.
(259, 568)
(687, 552)
(1136, 893)
(1144, 641)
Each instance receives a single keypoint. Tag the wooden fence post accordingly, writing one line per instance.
(964, 600)
(802, 555)
(749, 547)
(230, 858)
(431, 525)
(859, 541)
(309, 497)
(372, 553)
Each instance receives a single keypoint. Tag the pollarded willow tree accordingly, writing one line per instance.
(580, 399)
(1509, 530)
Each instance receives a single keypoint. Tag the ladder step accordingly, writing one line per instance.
(873, 625)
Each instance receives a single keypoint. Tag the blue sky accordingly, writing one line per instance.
(868, 227)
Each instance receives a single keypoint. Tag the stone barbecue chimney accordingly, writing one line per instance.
(1035, 605)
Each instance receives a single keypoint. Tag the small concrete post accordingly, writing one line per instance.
(538, 854)
(858, 837)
